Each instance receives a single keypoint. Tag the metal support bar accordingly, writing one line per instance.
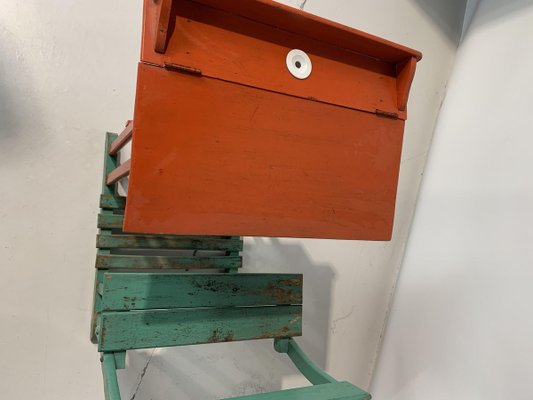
(120, 359)
(307, 367)
(124, 137)
(118, 173)
(109, 371)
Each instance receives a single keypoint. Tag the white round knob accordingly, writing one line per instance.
(299, 64)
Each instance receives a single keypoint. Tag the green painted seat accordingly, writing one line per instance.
(156, 291)
(176, 309)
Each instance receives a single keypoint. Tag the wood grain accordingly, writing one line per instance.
(161, 328)
(232, 160)
(113, 261)
(145, 290)
(237, 49)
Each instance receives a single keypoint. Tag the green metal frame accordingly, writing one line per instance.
(109, 371)
(325, 386)
(304, 364)
(179, 308)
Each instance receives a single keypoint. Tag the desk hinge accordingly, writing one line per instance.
(184, 69)
(386, 114)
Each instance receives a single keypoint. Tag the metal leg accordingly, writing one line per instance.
(120, 359)
(307, 367)
(109, 370)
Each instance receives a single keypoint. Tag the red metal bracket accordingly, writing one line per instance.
(118, 173)
(122, 139)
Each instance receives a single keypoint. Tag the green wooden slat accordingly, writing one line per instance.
(97, 304)
(124, 330)
(328, 391)
(145, 290)
(110, 261)
(110, 221)
(158, 242)
(116, 221)
(108, 201)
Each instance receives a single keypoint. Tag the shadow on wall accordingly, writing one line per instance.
(20, 122)
(224, 370)
(493, 9)
(454, 16)
(289, 256)
(448, 15)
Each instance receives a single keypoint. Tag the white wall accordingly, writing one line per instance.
(461, 326)
(67, 74)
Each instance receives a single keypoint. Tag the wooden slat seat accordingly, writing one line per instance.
(147, 290)
(142, 310)
(167, 242)
(163, 328)
(180, 262)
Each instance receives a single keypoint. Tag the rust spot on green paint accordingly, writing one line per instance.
(291, 282)
(282, 332)
(217, 337)
(102, 335)
(215, 285)
(282, 291)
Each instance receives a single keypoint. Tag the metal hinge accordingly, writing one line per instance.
(387, 114)
(184, 69)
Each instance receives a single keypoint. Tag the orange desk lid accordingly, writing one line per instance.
(228, 141)
(245, 41)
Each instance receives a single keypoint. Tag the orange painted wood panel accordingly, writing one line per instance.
(216, 158)
(305, 24)
(247, 42)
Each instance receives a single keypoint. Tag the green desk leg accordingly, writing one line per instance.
(109, 370)
(307, 367)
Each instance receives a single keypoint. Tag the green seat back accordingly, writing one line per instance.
(157, 309)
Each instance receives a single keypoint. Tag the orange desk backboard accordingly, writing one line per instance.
(227, 142)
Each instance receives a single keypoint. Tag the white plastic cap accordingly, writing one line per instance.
(299, 64)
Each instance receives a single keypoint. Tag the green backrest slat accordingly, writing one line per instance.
(155, 242)
(163, 328)
(110, 221)
(110, 202)
(328, 391)
(145, 290)
(111, 261)
(116, 221)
